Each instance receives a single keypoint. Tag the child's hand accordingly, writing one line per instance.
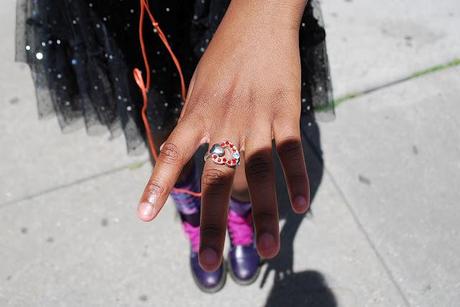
(246, 89)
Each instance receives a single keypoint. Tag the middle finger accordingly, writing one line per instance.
(216, 186)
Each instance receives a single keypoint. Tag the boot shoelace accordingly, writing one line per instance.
(193, 233)
(240, 228)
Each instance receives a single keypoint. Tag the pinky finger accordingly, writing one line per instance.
(290, 151)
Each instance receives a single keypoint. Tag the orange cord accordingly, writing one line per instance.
(145, 86)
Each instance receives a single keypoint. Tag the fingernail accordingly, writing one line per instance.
(267, 242)
(209, 257)
(145, 211)
(300, 203)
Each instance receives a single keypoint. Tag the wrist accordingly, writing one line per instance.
(282, 14)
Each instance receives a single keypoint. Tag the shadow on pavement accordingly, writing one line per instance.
(307, 288)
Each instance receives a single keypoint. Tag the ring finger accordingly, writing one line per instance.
(260, 174)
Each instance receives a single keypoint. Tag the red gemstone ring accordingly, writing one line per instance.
(224, 153)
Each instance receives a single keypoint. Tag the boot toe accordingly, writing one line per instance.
(244, 264)
(207, 281)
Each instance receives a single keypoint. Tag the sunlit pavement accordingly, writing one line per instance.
(384, 228)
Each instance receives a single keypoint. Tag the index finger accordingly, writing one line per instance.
(176, 151)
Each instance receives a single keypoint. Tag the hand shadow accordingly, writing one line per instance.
(307, 288)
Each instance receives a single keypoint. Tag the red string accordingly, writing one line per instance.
(145, 86)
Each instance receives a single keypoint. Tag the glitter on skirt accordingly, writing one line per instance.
(82, 52)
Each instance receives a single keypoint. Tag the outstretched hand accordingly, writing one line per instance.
(245, 89)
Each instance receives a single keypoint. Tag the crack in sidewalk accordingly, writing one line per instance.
(367, 237)
(420, 73)
(130, 166)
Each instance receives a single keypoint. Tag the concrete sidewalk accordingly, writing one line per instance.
(384, 230)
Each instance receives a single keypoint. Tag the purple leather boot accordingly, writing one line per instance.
(243, 259)
(188, 207)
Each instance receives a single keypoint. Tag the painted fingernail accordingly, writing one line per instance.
(300, 204)
(145, 211)
(209, 257)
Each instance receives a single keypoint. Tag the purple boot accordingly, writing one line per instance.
(188, 207)
(243, 259)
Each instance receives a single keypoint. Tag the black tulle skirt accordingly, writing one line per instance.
(82, 53)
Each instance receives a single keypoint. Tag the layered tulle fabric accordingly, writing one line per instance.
(82, 52)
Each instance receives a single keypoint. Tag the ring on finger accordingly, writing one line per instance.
(219, 154)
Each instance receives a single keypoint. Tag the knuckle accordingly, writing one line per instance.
(200, 97)
(170, 154)
(279, 94)
(282, 94)
(194, 118)
(214, 178)
(259, 166)
(192, 121)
